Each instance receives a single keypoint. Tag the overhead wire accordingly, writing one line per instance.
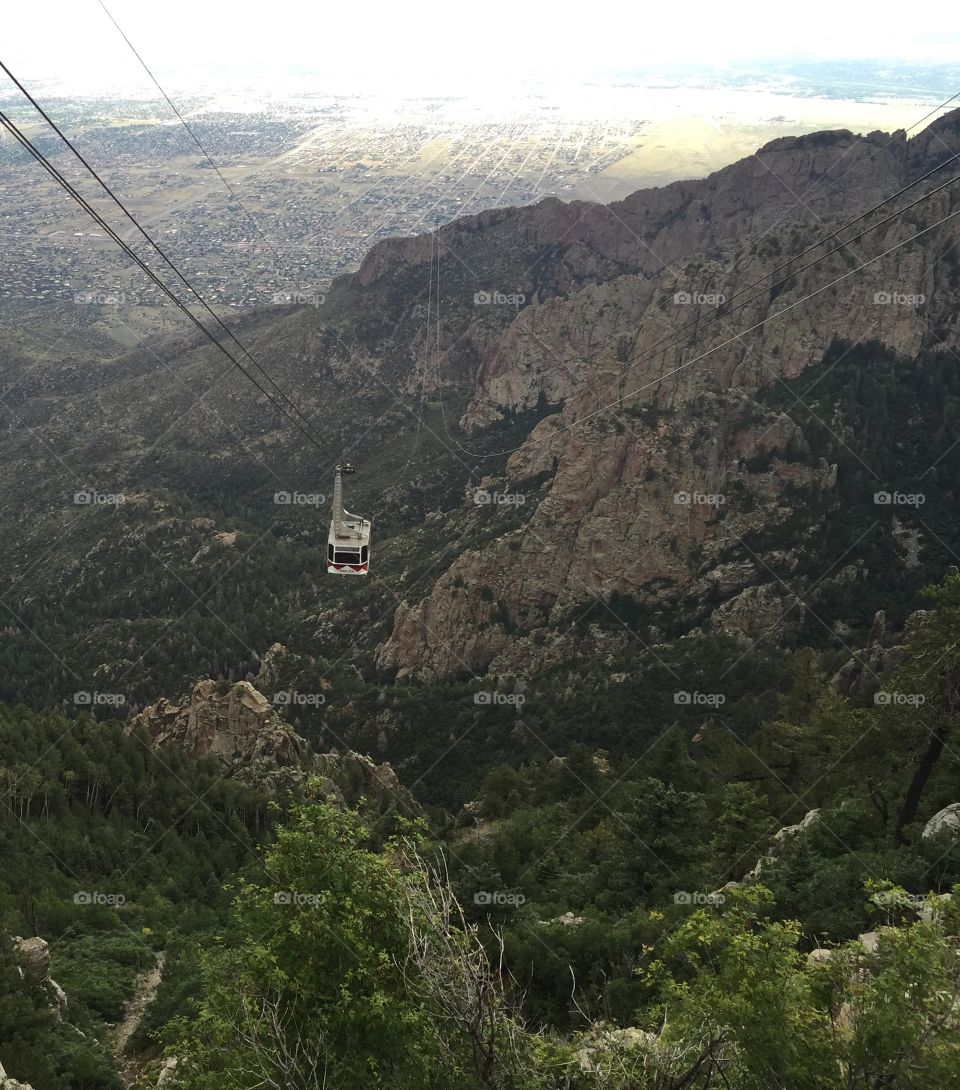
(196, 139)
(278, 260)
(25, 142)
(305, 426)
(719, 311)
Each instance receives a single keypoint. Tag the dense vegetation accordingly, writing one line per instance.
(565, 917)
(597, 931)
(889, 425)
(110, 849)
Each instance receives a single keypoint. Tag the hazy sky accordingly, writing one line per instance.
(444, 42)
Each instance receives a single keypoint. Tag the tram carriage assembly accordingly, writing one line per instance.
(348, 544)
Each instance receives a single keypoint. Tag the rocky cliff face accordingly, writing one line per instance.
(554, 248)
(649, 498)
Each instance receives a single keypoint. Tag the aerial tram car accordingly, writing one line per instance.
(348, 544)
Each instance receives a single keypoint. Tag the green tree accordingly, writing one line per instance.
(318, 984)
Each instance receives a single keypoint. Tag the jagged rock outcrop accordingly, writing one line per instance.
(234, 723)
(857, 676)
(237, 725)
(554, 248)
(755, 613)
(33, 955)
(861, 675)
(274, 660)
(350, 776)
(623, 515)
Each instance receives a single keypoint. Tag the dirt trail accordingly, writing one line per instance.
(144, 991)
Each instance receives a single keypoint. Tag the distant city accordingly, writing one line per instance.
(325, 177)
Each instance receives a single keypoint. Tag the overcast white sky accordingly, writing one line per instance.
(377, 44)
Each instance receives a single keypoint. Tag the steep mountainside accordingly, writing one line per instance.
(655, 507)
(655, 496)
(547, 315)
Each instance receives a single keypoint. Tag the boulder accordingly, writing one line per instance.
(945, 820)
(870, 941)
(602, 1039)
(237, 725)
(348, 777)
(33, 956)
(168, 1073)
(780, 839)
(274, 660)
